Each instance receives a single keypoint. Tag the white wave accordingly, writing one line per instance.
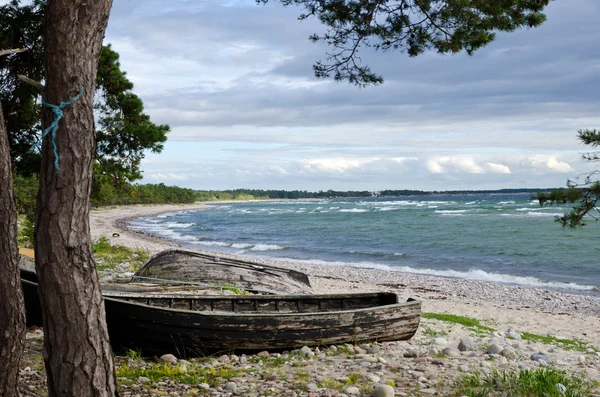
(473, 274)
(334, 208)
(353, 210)
(241, 245)
(507, 202)
(529, 209)
(451, 211)
(212, 243)
(177, 225)
(481, 275)
(545, 214)
(387, 209)
(266, 247)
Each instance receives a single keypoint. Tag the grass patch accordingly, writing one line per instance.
(108, 256)
(468, 322)
(539, 382)
(161, 372)
(567, 344)
(433, 333)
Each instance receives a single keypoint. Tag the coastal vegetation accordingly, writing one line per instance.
(584, 191)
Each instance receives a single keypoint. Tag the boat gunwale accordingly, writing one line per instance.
(274, 314)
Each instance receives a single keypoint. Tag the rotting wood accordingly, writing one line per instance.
(163, 324)
(188, 266)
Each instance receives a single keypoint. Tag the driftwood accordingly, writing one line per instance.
(187, 266)
(198, 325)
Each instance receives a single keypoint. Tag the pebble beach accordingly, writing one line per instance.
(428, 364)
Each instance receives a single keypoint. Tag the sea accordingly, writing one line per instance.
(501, 238)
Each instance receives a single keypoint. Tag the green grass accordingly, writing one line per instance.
(540, 382)
(191, 376)
(470, 323)
(108, 256)
(433, 333)
(567, 344)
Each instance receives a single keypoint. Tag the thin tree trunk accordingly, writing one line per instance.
(12, 308)
(76, 348)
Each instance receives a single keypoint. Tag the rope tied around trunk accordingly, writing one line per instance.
(53, 128)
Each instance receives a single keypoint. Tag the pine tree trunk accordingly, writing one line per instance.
(12, 308)
(76, 348)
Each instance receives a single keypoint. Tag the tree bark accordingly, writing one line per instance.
(76, 348)
(12, 308)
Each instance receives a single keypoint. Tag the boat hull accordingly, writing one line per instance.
(192, 325)
(188, 266)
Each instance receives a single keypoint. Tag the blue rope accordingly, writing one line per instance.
(53, 128)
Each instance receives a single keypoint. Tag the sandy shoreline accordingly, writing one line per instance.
(524, 309)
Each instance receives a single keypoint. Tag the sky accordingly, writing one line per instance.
(234, 81)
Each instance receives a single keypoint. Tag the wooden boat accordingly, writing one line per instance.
(195, 325)
(187, 266)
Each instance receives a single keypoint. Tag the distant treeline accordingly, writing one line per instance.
(242, 194)
(249, 194)
(141, 194)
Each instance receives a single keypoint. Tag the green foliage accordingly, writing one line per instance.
(567, 344)
(21, 27)
(125, 132)
(538, 382)
(107, 256)
(25, 190)
(586, 194)
(192, 376)
(411, 26)
(433, 333)
(106, 193)
(470, 323)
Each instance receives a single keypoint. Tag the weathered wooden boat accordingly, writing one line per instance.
(194, 325)
(187, 266)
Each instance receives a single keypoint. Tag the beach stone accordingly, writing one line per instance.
(374, 378)
(168, 358)
(373, 349)
(508, 352)
(451, 352)
(312, 387)
(230, 386)
(383, 391)
(143, 380)
(494, 349)
(411, 354)
(204, 386)
(263, 353)
(560, 388)
(513, 335)
(359, 350)
(440, 341)
(540, 357)
(353, 391)
(306, 352)
(467, 345)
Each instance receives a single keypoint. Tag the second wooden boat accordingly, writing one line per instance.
(188, 266)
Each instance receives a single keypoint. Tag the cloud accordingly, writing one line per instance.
(234, 80)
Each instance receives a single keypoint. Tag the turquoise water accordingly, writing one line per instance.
(499, 238)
